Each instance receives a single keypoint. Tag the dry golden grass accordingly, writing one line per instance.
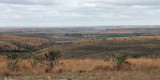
(22, 67)
(94, 65)
(144, 64)
(23, 40)
(7, 46)
(74, 65)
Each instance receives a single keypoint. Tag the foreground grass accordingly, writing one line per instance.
(27, 67)
(87, 65)
(96, 75)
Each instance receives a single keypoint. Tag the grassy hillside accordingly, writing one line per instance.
(84, 55)
(132, 46)
(23, 41)
(7, 46)
(12, 44)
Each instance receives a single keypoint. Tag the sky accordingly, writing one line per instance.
(79, 12)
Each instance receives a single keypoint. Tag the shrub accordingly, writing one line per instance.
(119, 59)
(104, 39)
(155, 55)
(136, 56)
(53, 57)
(13, 56)
(35, 61)
(13, 64)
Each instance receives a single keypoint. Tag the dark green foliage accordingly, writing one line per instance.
(119, 58)
(52, 55)
(136, 56)
(104, 39)
(74, 34)
(13, 56)
(12, 65)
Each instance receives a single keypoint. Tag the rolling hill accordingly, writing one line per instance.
(134, 47)
(10, 42)
(7, 46)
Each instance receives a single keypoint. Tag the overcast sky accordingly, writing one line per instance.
(79, 12)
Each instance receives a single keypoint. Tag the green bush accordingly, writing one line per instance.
(136, 56)
(104, 39)
(155, 55)
(53, 57)
(12, 65)
(119, 59)
(13, 56)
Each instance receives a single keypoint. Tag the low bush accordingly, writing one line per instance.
(155, 55)
(119, 59)
(53, 57)
(13, 56)
(13, 65)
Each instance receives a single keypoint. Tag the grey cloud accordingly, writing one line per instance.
(53, 2)
(33, 12)
(30, 2)
(128, 2)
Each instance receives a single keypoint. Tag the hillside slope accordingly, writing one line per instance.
(22, 42)
(7, 46)
(132, 46)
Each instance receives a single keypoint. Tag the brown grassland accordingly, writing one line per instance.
(22, 42)
(82, 56)
(7, 46)
(27, 66)
(99, 49)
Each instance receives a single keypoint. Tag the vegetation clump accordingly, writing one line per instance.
(53, 56)
(155, 55)
(35, 61)
(13, 56)
(119, 59)
(12, 65)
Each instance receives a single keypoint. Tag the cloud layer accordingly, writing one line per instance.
(79, 12)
